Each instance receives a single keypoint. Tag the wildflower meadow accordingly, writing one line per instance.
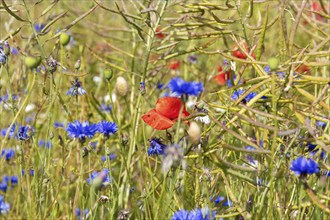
(165, 109)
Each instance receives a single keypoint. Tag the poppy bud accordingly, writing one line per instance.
(77, 65)
(124, 140)
(194, 132)
(108, 74)
(174, 64)
(121, 86)
(64, 39)
(273, 63)
(32, 62)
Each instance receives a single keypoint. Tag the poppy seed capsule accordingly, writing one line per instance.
(273, 63)
(108, 74)
(32, 62)
(121, 86)
(194, 132)
(64, 39)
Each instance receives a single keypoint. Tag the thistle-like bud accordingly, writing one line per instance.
(194, 132)
(121, 86)
(52, 63)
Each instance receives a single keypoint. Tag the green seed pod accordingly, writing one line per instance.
(64, 39)
(108, 74)
(32, 62)
(273, 63)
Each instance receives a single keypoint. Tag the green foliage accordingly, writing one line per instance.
(147, 43)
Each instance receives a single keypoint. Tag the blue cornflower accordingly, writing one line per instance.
(2, 99)
(160, 86)
(14, 180)
(238, 93)
(11, 132)
(220, 199)
(250, 148)
(6, 97)
(281, 75)
(14, 51)
(321, 124)
(106, 108)
(4, 207)
(45, 144)
(76, 89)
(104, 174)
(267, 69)
(110, 156)
(250, 96)
(93, 144)
(80, 214)
(202, 214)
(7, 153)
(31, 172)
(303, 166)
(192, 59)
(312, 149)
(107, 128)
(3, 58)
(81, 130)
(58, 124)
(180, 87)
(180, 215)
(22, 133)
(38, 27)
(3, 186)
(156, 147)
(5, 178)
(29, 119)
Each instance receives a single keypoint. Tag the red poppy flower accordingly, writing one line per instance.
(239, 54)
(303, 69)
(222, 77)
(317, 8)
(174, 64)
(159, 34)
(165, 114)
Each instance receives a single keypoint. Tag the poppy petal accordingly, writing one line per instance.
(220, 79)
(156, 120)
(169, 107)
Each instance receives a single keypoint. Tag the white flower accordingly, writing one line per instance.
(97, 79)
(30, 107)
(107, 98)
(173, 156)
(204, 119)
